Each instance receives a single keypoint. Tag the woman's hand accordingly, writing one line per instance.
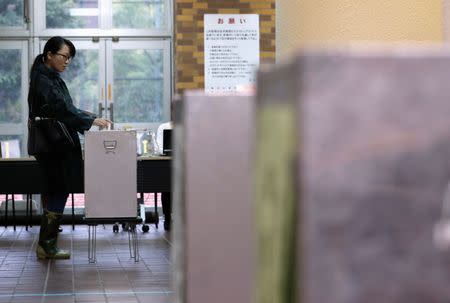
(101, 122)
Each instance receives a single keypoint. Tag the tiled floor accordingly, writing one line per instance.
(115, 277)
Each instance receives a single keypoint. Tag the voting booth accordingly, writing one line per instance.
(352, 163)
(110, 183)
(213, 213)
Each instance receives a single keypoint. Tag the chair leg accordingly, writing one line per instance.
(73, 212)
(6, 211)
(14, 212)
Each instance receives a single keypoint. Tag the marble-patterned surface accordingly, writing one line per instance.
(373, 166)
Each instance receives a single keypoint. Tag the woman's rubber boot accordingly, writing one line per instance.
(48, 236)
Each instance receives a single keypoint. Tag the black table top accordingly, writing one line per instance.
(24, 176)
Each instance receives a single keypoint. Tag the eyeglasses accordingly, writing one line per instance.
(67, 58)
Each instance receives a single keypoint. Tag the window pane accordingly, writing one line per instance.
(10, 85)
(138, 86)
(11, 13)
(10, 146)
(78, 200)
(81, 78)
(139, 14)
(72, 14)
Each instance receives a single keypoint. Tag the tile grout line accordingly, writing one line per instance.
(171, 247)
(167, 240)
(46, 280)
(98, 271)
(121, 265)
(3, 261)
(121, 293)
(26, 260)
(15, 286)
(73, 261)
(11, 246)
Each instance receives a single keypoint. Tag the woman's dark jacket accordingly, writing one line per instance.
(48, 96)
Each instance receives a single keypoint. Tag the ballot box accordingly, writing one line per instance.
(110, 174)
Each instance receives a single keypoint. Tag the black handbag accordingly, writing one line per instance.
(46, 135)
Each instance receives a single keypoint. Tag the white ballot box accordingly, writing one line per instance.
(110, 174)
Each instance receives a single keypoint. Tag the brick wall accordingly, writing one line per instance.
(189, 56)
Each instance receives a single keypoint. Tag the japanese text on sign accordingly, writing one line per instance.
(231, 51)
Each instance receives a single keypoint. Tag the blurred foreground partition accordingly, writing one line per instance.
(213, 223)
(352, 167)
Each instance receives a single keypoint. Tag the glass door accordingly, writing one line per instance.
(126, 81)
(138, 83)
(13, 97)
(104, 18)
(12, 14)
(85, 75)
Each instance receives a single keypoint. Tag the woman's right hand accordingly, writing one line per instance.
(101, 122)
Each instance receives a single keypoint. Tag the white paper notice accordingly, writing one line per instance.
(231, 51)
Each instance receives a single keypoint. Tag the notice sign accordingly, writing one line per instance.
(231, 51)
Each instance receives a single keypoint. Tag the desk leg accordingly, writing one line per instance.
(6, 211)
(73, 212)
(26, 212)
(31, 209)
(155, 199)
(14, 212)
(92, 229)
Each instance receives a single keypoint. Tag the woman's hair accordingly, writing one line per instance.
(53, 45)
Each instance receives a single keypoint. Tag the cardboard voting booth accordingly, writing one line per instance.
(110, 184)
(213, 232)
(110, 174)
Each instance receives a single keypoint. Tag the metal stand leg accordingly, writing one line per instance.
(129, 243)
(136, 245)
(92, 243)
(133, 243)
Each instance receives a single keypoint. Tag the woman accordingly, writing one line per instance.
(48, 97)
